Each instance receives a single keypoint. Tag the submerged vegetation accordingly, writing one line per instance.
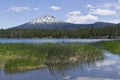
(24, 56)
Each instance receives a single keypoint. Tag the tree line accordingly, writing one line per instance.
(86, 32)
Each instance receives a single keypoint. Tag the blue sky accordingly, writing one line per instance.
(16, 12)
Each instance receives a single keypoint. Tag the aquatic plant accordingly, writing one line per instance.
(23, 56)
(113, 46)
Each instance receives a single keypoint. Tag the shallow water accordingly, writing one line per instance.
(108, 69)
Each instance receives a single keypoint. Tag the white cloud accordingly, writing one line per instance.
(105, 9)
(103, 12)
(55, 7)
(103, 6)
(74, 13)
(118, 0)
(115, 21)
(36, 9)
(113, 6)
(108, 5)
(20, 9)
(89, 6)
(77, 18)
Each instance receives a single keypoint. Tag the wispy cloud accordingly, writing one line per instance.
(114, 21)
(20, 9)
(74, 13)
(103, 6)
(89, 6)
(36, 9)
(105, 9)
(103, 12)
(55, 7)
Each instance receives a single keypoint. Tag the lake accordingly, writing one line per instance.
(106, 69)
(44, 40)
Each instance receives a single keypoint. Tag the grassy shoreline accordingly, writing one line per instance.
(113, 46)
(25, 56)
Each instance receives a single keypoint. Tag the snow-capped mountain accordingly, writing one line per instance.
(50, 22)
(46, 20)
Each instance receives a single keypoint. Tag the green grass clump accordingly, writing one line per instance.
(22, 64)
(113, 46)
(24, 56)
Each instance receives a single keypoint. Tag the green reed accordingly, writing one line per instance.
(23, 56)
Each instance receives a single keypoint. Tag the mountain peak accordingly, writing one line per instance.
(46, 20)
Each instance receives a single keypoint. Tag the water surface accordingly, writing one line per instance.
(44, 40)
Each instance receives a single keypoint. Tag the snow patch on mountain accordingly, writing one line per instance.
(46, 20)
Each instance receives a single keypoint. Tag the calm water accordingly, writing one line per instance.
(37, 40)
(107, 69)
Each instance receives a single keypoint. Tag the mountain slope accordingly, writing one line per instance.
(50, 22)
(103, 24)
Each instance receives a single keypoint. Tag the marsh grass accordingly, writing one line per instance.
(113, 46)
(24, 56)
